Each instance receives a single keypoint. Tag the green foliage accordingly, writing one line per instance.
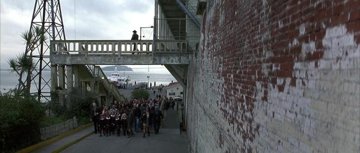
(20, 65)
(140, 94)
(20, 120)
(23, 64)
(51, 120)
(80, 104)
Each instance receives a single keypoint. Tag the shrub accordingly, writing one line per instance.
(140, 94)
(20, 118)
(80, 105)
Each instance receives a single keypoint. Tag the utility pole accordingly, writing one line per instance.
(46, 16)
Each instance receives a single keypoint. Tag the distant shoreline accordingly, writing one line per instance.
(5, 69)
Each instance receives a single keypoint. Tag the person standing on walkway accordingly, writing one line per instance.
(157, 120)
(124, 122)
(135, 37)
(137, 114)
(130, 121)
(95, 115)
(145, 122)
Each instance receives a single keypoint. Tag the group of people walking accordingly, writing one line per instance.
(126, 118)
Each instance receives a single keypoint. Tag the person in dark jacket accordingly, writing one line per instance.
(130, 122)
(157, 120)
(124, 124)
(135, 37)
(137, 114)
(95, 116)
(145, 122)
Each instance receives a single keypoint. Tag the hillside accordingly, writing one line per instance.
(118, 67)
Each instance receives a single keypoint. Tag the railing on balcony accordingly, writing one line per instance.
(177, 29)
(101, 46)
(118, 47)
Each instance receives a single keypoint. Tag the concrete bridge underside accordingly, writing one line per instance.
(79, 58)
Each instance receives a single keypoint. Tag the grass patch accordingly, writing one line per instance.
(51, 120)
(84, 120)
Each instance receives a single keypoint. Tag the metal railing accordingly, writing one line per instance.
(171, 46)
(177, 29)
(117, 47)
(56, 129)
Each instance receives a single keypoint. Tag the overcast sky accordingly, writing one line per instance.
(83, 19)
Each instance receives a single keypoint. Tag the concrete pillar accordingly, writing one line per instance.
(61, 94)
(61, 76)
(76, 76)
(69, 77)
(69, 84)
(92, 86)
(83, 87)
(54, 84)
(61, 84)
(54, 78)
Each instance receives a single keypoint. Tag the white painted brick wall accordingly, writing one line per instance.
(320, 113)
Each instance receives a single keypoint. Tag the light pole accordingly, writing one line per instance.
(144, 28)
(148, 76)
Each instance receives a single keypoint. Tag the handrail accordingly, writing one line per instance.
(117, 47)
(111, 86)
(101, 46)
(171, 46)
(97, 72)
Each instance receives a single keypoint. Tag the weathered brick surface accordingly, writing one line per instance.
(276, 76)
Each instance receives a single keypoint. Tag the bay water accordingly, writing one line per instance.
(9, 79)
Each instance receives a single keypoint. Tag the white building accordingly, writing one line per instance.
(174, 90)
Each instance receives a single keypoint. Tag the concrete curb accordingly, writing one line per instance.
(62, 148)
(42, 144)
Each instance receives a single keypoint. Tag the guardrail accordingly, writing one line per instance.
(117, 47)
(101, 46)
(171, 46)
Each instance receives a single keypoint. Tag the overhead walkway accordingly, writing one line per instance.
(119, 52)
(176, 38)
(80, 58)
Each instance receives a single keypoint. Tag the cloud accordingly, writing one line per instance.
(83, 19)
(12, 25)
(109, 20)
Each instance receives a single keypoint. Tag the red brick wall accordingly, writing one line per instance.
(276, 76)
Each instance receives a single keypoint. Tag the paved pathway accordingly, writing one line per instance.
(167, 141)
(65, 140)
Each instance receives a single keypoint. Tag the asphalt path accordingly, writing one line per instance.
(169, 140)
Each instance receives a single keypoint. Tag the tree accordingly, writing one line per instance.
(19, 65)
(24, 62)
(140, 94)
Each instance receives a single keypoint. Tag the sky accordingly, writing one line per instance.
(83, 20)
